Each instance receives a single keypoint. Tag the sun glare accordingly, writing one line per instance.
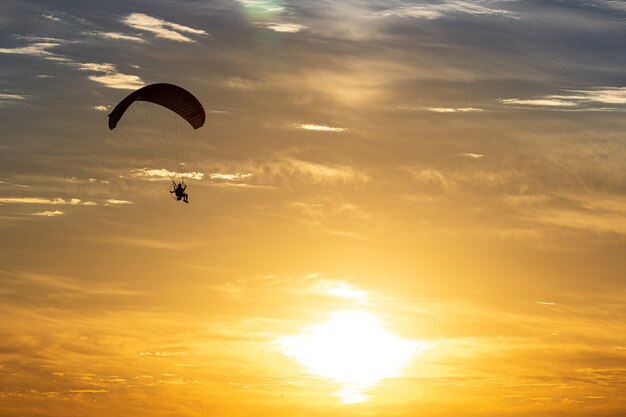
(352, 349)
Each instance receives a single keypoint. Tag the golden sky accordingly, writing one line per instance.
(397, 208)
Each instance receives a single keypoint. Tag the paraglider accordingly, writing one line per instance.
(160, 121)
(179, 192)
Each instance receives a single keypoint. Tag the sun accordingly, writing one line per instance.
(352, 349)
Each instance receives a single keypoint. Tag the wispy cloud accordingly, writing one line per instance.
(263, 6)
(286, 168)
(526, 199)
(241, 83)
(88, 391)
(15, 185)
(612, 5)
(37, 200)
(146, 243)
(347, 291)
(163, 354)
(575, 99)
(102, 108)
(120, 36)
(161, 28)
(453, 109)
(52, 17)
(321, 173)
(321, 128)
(606, 95)
(438, 10)
(60, 201)
(281, 27)
(551, 102)
(229, 177)
(39, 49)
(165, 174)
(75, 180)
(114, 202)
(430, 177)
(599, 214)
(11, 97)
(118, 80)
(90, 66)
(109, 75)
(49, 213)
(472, 155)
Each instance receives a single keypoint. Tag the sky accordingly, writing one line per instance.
(396, 208)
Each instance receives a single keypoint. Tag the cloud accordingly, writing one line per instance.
(118, 80)
(545, 303)
(110, 78)
(39, 49)
(282, 27)
(87, 391)
(97, 67)
(58, 201)
(147, 243)
(599, 214)
(606, 95)
(537, 102)
(37, 200)
(320, 173)
(526, 199)
(472, 155)
(421, 12)
(316, 283)
(15, 185)
(161, 28)
(49, 213)
(321, 128)
(51, 17)
(114, 202)
(584, 99)
(347, 291)
(164, 174)
(242, 84)
(612, 5)
(439, 10)
(163, 354)
(263, 6)
(431, 177)
(285, 169)
(11, 97)
(597, 222)
(452, 109)
(75, 180)
(229, 177)
(120, 36)
(102, 108)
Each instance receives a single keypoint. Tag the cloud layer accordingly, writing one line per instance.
(454, 168)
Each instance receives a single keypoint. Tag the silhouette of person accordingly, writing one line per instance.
(180, 193)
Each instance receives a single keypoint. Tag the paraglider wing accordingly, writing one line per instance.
(175, 98)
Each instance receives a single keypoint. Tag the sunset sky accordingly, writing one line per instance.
(397, 208)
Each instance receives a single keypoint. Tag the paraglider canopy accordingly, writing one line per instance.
(170, 96)
(158, 125)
